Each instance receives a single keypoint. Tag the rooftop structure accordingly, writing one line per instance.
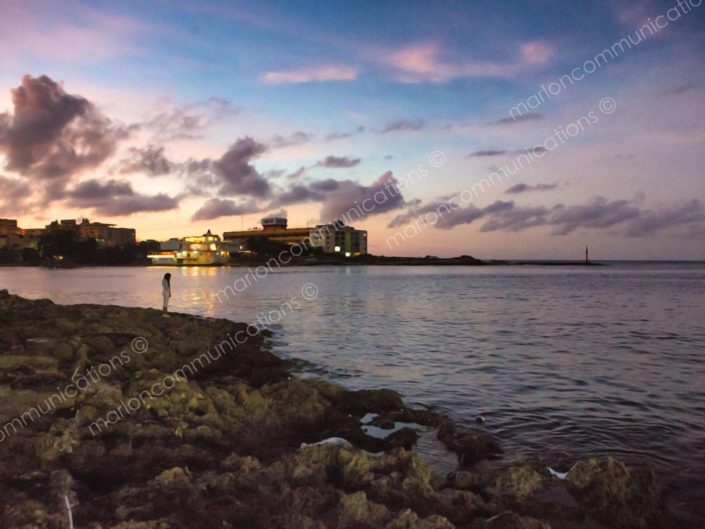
(331, 238)
(274, 229)
(105, 234)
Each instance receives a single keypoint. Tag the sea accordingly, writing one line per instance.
(562, 362)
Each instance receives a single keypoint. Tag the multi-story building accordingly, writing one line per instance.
(105, 234)
(8, 227)
(17, 241)
(273, 228)
(14, 237)
(202, 250)
(334, 238)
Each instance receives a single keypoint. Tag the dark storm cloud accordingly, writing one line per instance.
(338, 162)
(381, 196)
(149, 160)
(403, 124)
(341, 135)
(526, 188)
(529, 116)
(115, 198)
(216, 207)
(52, 135)
(237, 175)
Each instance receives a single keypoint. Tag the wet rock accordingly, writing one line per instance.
(617, 495)
(518, 482)
(470, 447)
(404, 437)
(192, 433)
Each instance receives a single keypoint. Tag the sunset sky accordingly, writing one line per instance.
(177, 117)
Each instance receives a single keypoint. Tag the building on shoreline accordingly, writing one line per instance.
(273, 228)
(8, 227)
(336, 238)
(104, 234)
(333, 238)
(201, 250)
(15, 238)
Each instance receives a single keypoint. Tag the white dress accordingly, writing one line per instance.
(166, 292)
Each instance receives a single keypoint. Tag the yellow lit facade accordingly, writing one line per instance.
(202, 250)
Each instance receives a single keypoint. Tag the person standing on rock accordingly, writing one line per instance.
(166, 293)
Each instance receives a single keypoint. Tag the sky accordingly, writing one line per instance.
(499, 130)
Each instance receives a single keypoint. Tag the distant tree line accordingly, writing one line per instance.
(65, 248)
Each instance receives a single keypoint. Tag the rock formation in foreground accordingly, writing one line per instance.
(118, 418)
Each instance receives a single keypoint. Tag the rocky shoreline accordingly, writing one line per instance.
(115, 417)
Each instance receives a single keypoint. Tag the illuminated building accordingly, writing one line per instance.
(331, 238)
(274, 229)
(202, 250)
(336, 238)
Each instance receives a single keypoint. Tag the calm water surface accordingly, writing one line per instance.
(563, 362)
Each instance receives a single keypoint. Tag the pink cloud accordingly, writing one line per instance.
(48, 32)
(312, 74)
(423, 62)
(536, 52)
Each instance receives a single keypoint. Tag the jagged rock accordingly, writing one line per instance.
(29, 370)
(355, 510)
(517, 482)
(470, 447)
(615, 494)
(459, 506)
(466, 480)
(63, 352)
(177, 478)
(181, 434)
